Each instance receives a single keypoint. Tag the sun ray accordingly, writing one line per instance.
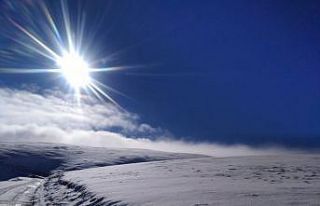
(28, 70)
(52, 24)
(78, 96)
(66, 19)
(80, 31)
(95, 93)
(35, 39)
(63, 45)
(115, 68)
(105, 95)
(32, 48)
(111, 89)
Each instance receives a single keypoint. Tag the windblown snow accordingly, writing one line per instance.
(50, 174)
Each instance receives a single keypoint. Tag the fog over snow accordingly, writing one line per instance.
(51, 116)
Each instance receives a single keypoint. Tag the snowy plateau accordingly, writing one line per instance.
(57, 174)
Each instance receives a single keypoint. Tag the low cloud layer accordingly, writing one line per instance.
(54, 117)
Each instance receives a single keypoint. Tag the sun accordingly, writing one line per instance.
(66, 53)
(75, 70)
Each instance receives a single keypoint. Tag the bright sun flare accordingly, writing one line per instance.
(68, 61)
(75, 70)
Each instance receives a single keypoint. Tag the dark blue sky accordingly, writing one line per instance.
(221, 71)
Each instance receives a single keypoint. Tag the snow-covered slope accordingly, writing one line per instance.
(19, 191)
(24, 167)
(259, 180)
(25, 159)
(121, 177)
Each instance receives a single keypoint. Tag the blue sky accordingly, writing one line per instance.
(215, 71)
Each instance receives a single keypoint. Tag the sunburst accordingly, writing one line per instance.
(68, 60)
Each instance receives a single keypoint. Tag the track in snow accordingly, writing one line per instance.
(19, 191)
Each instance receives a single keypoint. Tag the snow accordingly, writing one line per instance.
(18, 191)
(24, 166)
(25, 159)
(57, 174)
(255, 180)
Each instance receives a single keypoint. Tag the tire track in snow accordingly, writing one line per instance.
(20, 193)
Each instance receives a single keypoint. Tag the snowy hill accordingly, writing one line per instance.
(56, 174)
(25, 166)
(255, 180)
(24, 159)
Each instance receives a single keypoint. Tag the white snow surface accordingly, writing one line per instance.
(22, 159)
(57, 174)
(25, 166)
(253, 180)
(18, 191)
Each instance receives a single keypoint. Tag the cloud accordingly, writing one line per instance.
(51, 116)
(21, 107)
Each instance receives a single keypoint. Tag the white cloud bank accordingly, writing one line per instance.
(51, 117)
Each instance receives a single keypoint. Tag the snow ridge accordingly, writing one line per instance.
(59, 192)
(45, 165)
